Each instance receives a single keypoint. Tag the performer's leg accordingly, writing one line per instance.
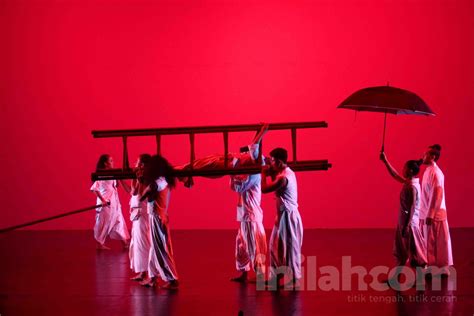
(417, 247)
(444, 257)
(101, 227)
(140, 247)
(431, 243)
(162, 257)
(152, 266)
(260, 249)
(278, 252)
(118, 225)
(295, 241)
(400, 248)
(242, 255)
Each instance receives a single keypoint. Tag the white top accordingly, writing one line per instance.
(108, 190)
(135, 202)
(432, 178)
(287, 197)
(250, 196)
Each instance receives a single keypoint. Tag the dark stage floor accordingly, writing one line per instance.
(61, 273)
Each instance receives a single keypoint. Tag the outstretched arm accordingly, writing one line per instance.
(393, 172)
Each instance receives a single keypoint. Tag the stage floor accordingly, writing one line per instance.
(61, 273)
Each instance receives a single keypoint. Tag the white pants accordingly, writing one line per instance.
(285, 245)
(140, 243)
(410, 247)
(438, 241)
(250, 247)
(160, 260)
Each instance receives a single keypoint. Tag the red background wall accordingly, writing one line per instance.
(69, 67)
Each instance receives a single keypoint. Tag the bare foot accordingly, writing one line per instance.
(149, 282)
(274, 283)
(241, 278)
(292, 285)
(139, 277)
(171, 285)
(102, 247)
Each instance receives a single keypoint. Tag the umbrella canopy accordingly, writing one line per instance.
(387, 100)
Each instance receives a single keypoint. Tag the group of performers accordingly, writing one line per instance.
(151, 251)
(422, 236)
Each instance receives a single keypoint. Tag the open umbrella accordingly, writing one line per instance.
(386, 99)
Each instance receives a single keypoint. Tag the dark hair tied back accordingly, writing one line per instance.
(435, 150)
(414, 166)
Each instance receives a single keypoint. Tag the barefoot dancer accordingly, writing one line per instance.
(157, 194)
(409, 243)
(287, 234)
(433, 207)
(250, 244)
(140, 242)
(109, 221)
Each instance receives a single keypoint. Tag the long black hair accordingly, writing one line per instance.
(159, 167)
(414, 166)
(102, 161)
(145, 160)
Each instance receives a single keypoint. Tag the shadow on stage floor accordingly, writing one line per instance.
(61, 273)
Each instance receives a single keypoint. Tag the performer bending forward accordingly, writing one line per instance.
(109, 221)
(287, 234)
(161, 260)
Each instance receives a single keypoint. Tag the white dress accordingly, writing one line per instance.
(109, 220)
(140, 241)
(161, 260)
(287, 234)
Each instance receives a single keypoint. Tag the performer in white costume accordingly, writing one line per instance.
(140, 241)
(250, 243)
(160, 260)
(433, 208)
(409, 243)
(287, 234)
(109, 221)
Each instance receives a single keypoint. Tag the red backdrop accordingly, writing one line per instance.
(69, 67)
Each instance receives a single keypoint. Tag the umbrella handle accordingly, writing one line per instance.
(383, 139)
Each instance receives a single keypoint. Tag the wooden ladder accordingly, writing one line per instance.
(127, 173)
